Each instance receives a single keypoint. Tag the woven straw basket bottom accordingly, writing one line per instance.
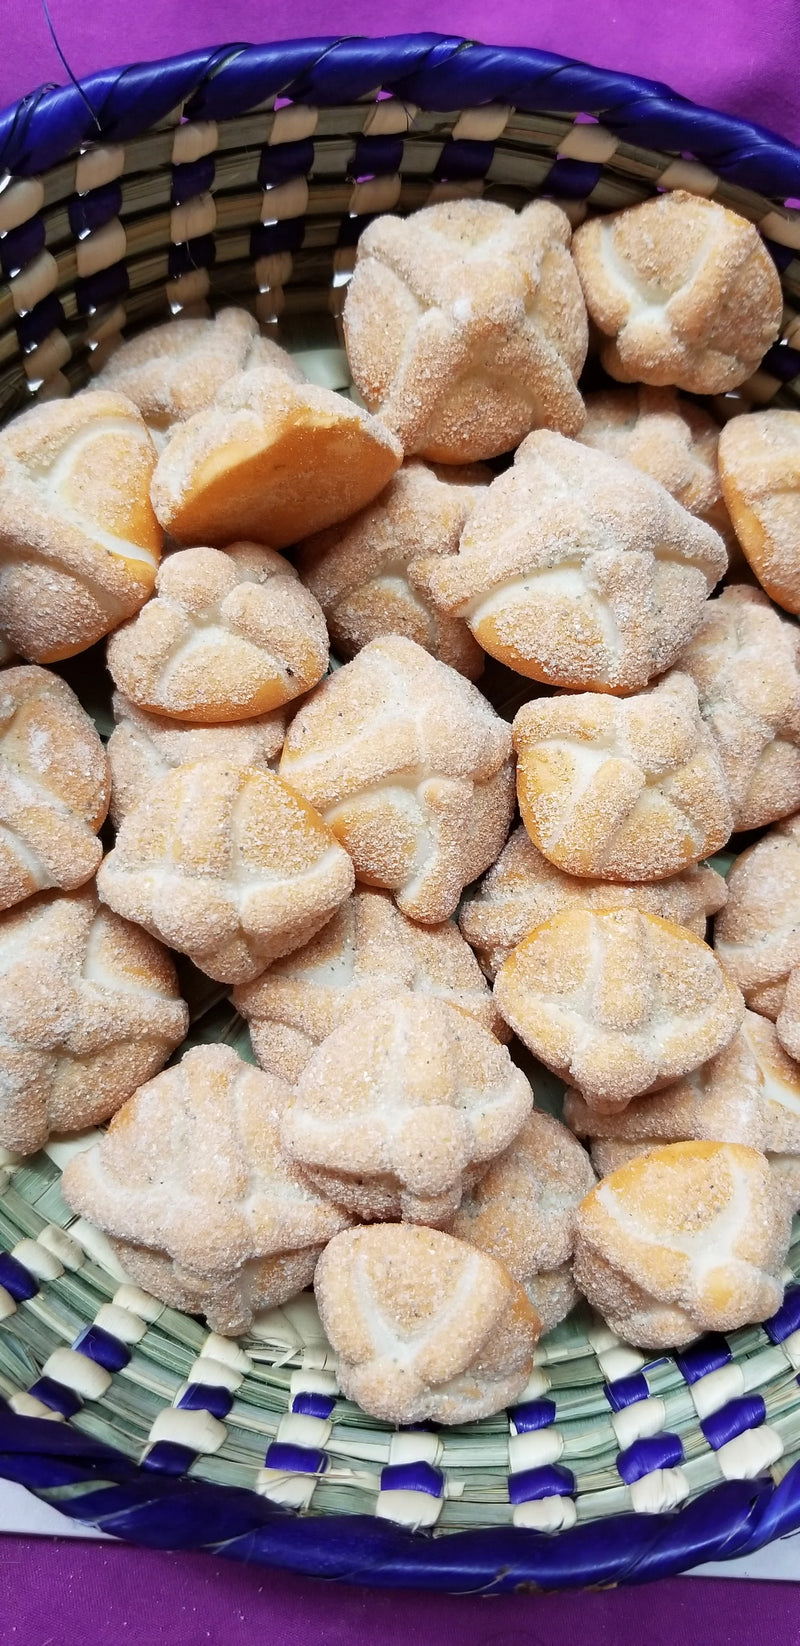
(247, 175)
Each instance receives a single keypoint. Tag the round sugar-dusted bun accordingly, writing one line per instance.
(368, 952)
(622, 788)
(523, 1213)
(224, 1225)
(363, 571)
(228, 865)
(745, 662)
(89, 1008)
(617, 1002)
(424, 1326)
(578, 570)
(412, 770)
(170, 372)
(687, 1239)
(465, 327)
(79, 542)
(227, 637)
(749, 1093)
(270, 460)
(757, 935)
(53, 786)
(523, 889)
(403, 1106)
(144, 747)
(672, 439)
(759, 464)
(684, 290)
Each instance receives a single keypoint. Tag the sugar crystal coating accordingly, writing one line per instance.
(465, 327)
(424, 1326)
(687, 1239)
(683, 289)
(759, 461)
(203, 1207)
(144, 747)
(757, 935)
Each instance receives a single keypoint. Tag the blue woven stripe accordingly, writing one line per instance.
(733, 1519)
(296, 1460)
(56, 1396)
(707, 1355)
(782, 362)
(285, 160)
(376, 157)
(434, 71)
(533, 1414)
(270, 238)
(312, 1404)
(206, 1397)
(101, 1347)
(166, 1457)
(20, 246)
(573, 179)
(192, 254)
(460, 161)
(90, 211)
(189, 180)
(552, 1480)
(17, 1279)
(662, 1451)
(93, 290)
(787, 1319)
(626, 1391)
(732, 1419)
(38, 323)
(412, 1477)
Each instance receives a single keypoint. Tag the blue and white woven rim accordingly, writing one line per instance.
(155, 1503)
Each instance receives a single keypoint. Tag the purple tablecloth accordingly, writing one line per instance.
(735, 55)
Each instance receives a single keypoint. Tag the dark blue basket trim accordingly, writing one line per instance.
(56, 1395)
(38, 323)
(533, 1414)
(269, 238)
(732, 1519)
(88, 212)
(284, 161)
(191, 179)
(101, 1347)
(312, 1404)
(732, 1419)
(192, 254)
(376, 157)
(663, 1451)
(787, 1319)
(206, 1397)
(782, 362)
(434, 71)
(412, 1477)
(167, 1457)
(107, 286)
(626, 1391)
(352, 228)
(295, 1460)
(707, 1355)
(20, 246)
(550, 1480)
(461, 160)
(17, 1279)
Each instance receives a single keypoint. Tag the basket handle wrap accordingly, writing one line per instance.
(434, 71)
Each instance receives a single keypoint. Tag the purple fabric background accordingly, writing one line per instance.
(737, 55)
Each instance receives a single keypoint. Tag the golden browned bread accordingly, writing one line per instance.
(759, 462)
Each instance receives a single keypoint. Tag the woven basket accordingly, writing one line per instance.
(247, 174)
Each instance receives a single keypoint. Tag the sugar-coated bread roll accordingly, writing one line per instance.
(465, 327)
(270, 460)
(363, 571)
(424, 1326)
(412, 770)
(368, 952)
(54, 786)
(79, 542)
(228, 865)
(204, 1210)
(227, 637)
(523, 889)
(403, 1106)
(523, 1213)
(749, 1093)
(578, 570)
(684, 290)
(689, 1238)
(757, 935)
(617, 1002)
(669, 437)
(622, 788)
(745, 662)
(144, 747)
(172, 371)
(89, 1008)
(759, 462)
